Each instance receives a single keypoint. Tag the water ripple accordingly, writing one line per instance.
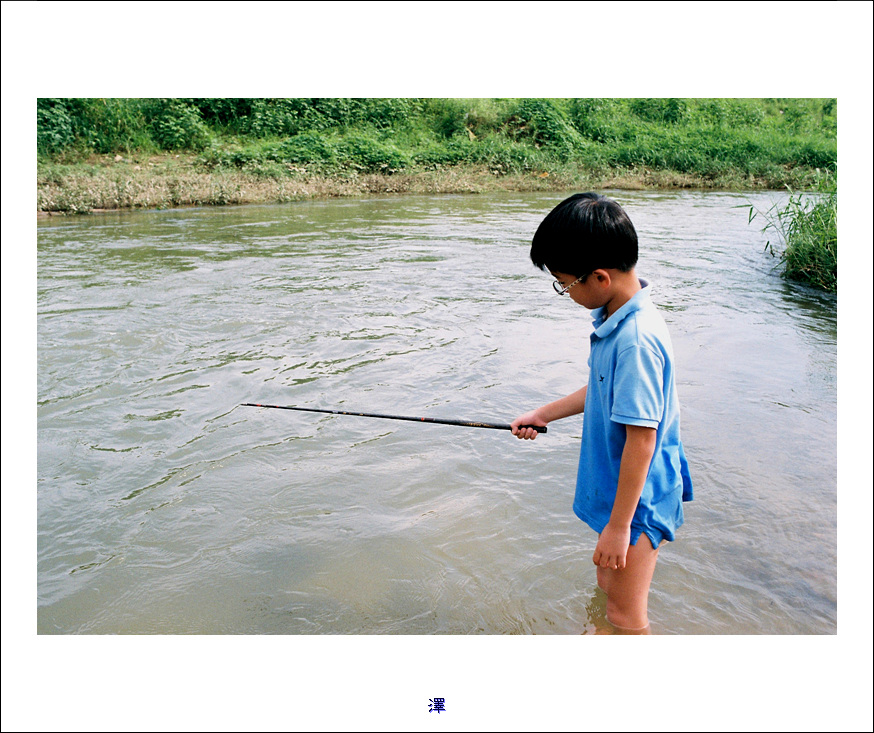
(164, 508)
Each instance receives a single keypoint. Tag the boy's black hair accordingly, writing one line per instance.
(584, 233)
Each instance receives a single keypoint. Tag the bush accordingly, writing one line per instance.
(306, 148)
(545, 125)
(366, 155)
(670, 111)
(293, 116)
(503, 156)
(179, 126)
(456, 151)
(273, 117)
(54, 126)
(731, 113)
(100, 125)
(312, 150)
(596, 119)
(460, 117)
(817, 155)
(386, 113)
(221, 112)
(448, 116)
(218, 157)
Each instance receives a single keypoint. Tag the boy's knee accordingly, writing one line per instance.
(626, 619)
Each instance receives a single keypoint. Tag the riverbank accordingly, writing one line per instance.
(97, 154)
(112, 182)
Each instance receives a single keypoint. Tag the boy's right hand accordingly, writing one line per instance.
(529, 418)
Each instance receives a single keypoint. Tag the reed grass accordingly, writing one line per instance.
(806, 228)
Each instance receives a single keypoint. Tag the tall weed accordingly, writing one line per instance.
(807, 227)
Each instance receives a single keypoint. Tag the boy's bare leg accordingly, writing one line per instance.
(628, 589)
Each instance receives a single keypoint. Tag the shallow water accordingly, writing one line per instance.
(166, 507)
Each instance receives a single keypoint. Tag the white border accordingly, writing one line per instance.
(559, 49)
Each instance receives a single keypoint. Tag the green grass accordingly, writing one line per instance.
(807, 229)
(770, 141)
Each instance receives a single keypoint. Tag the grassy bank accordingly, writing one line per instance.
(160, 182)
(156, 153)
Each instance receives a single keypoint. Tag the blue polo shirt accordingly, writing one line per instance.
(631, 382)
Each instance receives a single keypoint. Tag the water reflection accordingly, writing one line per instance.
(814, 310)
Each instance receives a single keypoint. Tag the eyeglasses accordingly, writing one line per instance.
(561, 290)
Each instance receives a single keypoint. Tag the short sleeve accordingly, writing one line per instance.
(638, 387)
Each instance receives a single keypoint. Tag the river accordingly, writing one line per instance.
(166, 507)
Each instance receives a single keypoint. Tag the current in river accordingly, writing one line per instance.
(166, 507)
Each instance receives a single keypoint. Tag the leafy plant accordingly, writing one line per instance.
(453, 152)
(272, 117)
(728, 113)
(54, 126)
(179, 126)
(92, 124)
(669, 111)
(448, 116)
(595, 119)
(365, 155)
(541, 121)
(502, 156)
(465, 117)
(224, 112)
(309, 148)
(293, 116)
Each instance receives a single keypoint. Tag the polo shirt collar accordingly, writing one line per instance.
(605, 326)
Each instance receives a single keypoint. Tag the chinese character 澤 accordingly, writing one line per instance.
(438, 705)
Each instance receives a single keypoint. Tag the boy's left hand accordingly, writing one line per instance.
(612, 547)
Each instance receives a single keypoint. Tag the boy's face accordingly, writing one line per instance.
(586, 293)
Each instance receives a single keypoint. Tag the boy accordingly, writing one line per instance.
(633, 476)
